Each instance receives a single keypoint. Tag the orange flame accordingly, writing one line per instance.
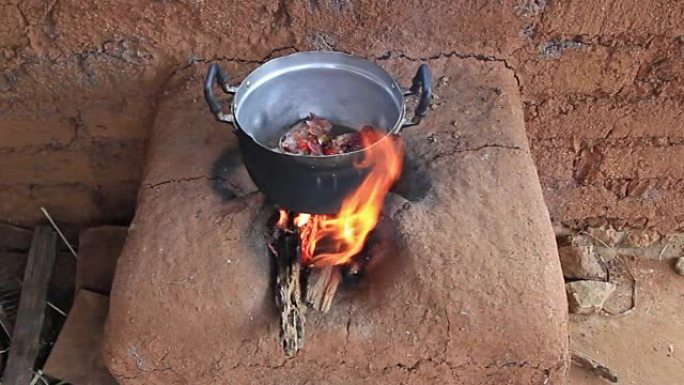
(335, 239)
(282, 219)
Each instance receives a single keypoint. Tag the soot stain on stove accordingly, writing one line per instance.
(379, 254)
(229, 178)
(258, 237)
(414, 183)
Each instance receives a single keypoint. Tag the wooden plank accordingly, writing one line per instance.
(29, 323)
(322, 286)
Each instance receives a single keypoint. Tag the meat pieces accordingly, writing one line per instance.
(314, 136)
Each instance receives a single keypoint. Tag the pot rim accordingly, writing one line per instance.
(393, 85)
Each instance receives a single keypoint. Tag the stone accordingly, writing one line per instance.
(98, 251)
(641, 238)
(607, 236)
(192, 299)
(76, 356)
(588, 297)
(679, 265)
(579, 261)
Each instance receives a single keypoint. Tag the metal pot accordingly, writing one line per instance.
(344, 89)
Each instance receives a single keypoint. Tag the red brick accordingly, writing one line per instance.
(644, 162)
(661, 209)
(596, 119)
(99, 162)
(11, 26)
(648, 118)
(45, 167)
(118, 119)
(578, 203)
(70, 203)
(35, 130)
(554, 165)
(584, 70)
(116, 160)
(607, 17)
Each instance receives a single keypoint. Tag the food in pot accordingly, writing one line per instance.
(314, 136)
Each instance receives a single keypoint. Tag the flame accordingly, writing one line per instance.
(335, 239)
(282, 219)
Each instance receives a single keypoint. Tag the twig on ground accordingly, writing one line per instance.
(6, 330)
(55, 308)
(54, 226)
(584, 361)
(660, 255)
(38, 376)
(595, 238)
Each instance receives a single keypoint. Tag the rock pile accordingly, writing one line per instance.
(586, 276)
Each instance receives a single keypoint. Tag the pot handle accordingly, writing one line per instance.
(217, 75)
(422, 86)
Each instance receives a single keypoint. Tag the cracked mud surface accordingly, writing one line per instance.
(475, 294)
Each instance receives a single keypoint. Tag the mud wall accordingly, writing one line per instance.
(602, 85)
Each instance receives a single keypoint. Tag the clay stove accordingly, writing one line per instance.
(468, 291)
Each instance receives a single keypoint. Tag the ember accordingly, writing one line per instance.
(336, 239)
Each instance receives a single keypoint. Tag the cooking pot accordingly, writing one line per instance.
(346, 90)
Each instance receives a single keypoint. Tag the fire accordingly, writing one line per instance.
(282, 219)
(335, 239)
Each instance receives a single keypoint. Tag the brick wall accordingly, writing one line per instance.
(601, 84)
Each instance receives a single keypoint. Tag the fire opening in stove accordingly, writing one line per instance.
(314, 253)
(333, 240)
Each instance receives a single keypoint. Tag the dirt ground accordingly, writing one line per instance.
(644, 347)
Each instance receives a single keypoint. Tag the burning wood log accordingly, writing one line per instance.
(322, 286)
(288, 291)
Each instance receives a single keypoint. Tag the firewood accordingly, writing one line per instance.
(322, 286)
(26, 335)
(288, 292)
(584, 361)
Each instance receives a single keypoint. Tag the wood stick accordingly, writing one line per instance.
(322, 286)
(584, 361)
(29, 323)
(288, 292)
